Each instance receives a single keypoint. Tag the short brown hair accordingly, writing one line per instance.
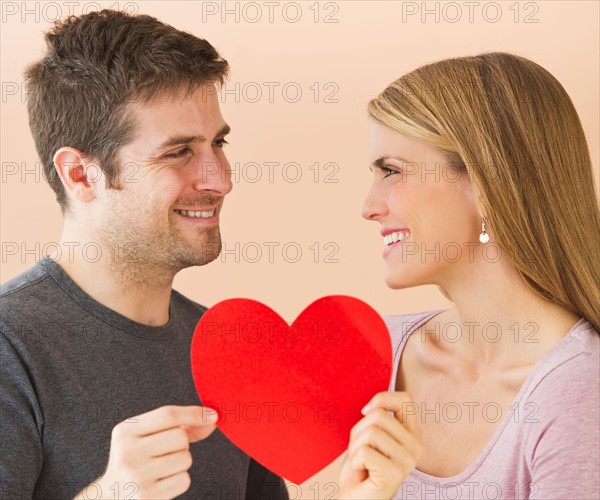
(94, 66)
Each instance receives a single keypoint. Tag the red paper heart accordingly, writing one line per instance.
(289, 395)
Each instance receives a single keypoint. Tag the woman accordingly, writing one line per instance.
(483, 186)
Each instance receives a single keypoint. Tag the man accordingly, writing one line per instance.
(97, 398)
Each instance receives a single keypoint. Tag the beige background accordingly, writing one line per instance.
(350, 61)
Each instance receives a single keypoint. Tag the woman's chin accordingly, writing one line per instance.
(397, 279)
(396, 282)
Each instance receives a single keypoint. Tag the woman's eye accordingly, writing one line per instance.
(220, 143)
(178, 154)
(388, 172)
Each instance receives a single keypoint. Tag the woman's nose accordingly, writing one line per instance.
(374, 206)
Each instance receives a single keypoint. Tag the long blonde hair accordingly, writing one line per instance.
(512, 125)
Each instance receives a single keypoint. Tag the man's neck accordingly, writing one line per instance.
(132, 289)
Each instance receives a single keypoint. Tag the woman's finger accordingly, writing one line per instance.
(384, 475)
(403, 406)
(381, 441)
(381, 418)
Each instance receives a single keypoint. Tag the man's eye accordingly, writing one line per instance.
(178, 154)
(220, 143)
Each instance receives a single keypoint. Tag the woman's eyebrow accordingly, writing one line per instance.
(380, 162)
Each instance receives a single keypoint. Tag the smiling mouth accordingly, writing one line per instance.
(197, 213)
(392, 238)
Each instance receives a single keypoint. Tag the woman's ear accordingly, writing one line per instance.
(475, 197)
(79, 175)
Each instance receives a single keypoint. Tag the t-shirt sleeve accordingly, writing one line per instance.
(20, 426)
(565, 461)
(263, 484)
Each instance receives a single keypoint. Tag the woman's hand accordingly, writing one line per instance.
(383, 448)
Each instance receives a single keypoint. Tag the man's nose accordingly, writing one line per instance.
(214, 174)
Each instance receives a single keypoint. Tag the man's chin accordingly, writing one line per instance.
(205, 255)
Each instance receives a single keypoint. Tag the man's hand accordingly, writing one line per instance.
(149, 454)
(383, 449)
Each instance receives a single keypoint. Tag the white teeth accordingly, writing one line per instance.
(394, 237)
(190, 213)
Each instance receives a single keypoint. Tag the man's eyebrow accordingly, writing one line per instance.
(187, 139)
(380, 162)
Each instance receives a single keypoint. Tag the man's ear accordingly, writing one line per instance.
(78, 173)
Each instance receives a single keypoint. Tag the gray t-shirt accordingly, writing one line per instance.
(71, 369)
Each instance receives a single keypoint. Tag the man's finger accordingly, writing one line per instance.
(199, 433)
(167, 417)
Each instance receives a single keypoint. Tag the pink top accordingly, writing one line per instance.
(546, 447)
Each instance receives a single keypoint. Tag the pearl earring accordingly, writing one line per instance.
(483, 237)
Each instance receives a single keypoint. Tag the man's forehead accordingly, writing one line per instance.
(169, 101)
(167, 119)
(177, 92)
